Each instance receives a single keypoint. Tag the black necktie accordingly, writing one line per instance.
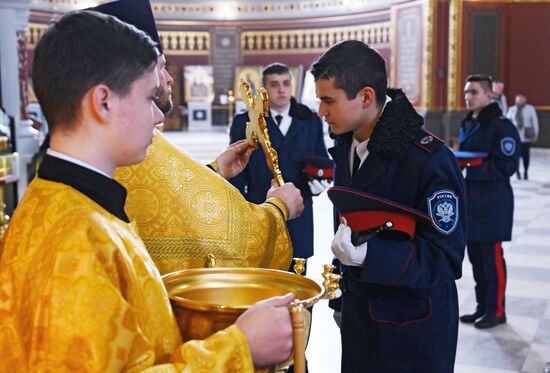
(279, 119)
(356, 163)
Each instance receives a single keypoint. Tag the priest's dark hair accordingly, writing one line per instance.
(80, 51)
(354, 65)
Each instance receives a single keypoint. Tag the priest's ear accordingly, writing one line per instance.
(99, 103)
(368, 96)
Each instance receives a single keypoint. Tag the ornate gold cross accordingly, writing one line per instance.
(256, 129)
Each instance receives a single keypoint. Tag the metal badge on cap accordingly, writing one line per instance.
(320, 168)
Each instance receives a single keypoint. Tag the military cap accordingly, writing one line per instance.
(470, 159)
(368, 215)
(320, 168)
(135, 12)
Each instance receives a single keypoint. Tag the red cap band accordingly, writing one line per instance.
(470, 162)
(363, 220)
(323, 173)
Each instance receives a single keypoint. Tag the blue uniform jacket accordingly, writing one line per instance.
(303, 139)
(405, 293)
(490, 195)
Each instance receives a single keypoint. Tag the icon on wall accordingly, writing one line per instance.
(199, 83)
(253, 75)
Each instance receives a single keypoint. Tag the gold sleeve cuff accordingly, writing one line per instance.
(277, 202)
(214, 166)
(224, 351)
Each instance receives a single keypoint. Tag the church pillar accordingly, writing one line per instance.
(13, 25)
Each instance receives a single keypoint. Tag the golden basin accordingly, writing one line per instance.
(206, 300)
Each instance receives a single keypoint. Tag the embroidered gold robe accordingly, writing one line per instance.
(185, 212)
(79, 292)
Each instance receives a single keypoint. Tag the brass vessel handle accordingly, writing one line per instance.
(298, 314)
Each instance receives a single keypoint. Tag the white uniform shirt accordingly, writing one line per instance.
(287, 119)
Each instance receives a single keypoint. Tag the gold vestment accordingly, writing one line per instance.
(79, 292)
(185, 212)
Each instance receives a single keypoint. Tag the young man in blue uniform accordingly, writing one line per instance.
(399, 308)
(490, 197)
(296, 133)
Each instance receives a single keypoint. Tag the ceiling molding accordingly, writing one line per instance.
(222, 10)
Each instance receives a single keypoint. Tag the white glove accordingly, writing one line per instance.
(318, 186)
(345, 251)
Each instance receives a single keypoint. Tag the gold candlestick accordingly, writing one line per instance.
(299, 265)
(230, 106)
(4, 218)
(327, 271)
(333, 287)
(9, 168)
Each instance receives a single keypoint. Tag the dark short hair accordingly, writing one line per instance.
(353, 65)
(484, 81)
(275, 68)
(84, 49)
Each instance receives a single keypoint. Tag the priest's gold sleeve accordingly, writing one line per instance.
(79, 292)
(188, 216)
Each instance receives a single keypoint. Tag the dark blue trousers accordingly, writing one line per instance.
(525, 152)
(490, 276)
(400, 330)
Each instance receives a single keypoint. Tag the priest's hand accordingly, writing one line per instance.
(234, 159)
(318, 186)
(346, 252)
(268, 329)
(291, 197)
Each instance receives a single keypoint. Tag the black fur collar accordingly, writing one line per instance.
(299, 111)
(397, 129)
(487, 114)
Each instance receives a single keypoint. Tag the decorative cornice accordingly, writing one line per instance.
(34, 33)
(189, 43)
(221, 10)
(253, 9)
(174, 42)
(62, 6)
(306, 41)
(328, 21)
(301, 41)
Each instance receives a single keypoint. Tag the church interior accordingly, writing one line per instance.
(429, 47)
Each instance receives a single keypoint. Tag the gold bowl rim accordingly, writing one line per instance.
(203, 306)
